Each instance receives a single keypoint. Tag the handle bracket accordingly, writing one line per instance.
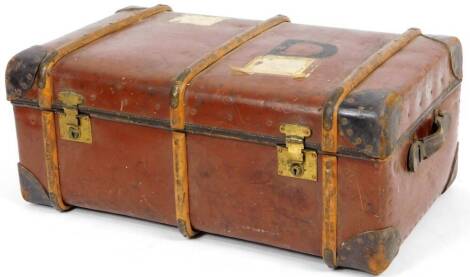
(424, 148)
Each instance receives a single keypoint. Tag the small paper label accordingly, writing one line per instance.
(292, 66)
(202, 20)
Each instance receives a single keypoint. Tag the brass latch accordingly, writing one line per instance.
(73, 125)
(293, 160)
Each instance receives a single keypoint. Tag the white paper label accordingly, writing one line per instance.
(202, 20)
(292, 66)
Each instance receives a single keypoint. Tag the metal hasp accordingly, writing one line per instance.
(293, 160)
(72, 125)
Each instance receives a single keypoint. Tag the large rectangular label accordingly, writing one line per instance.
(291, 66)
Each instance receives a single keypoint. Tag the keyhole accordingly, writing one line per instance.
(296, 170)
(74, 133)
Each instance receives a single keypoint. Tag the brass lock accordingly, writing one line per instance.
(73, 126)
(293, 159)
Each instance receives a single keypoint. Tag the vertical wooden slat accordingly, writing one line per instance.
(329, 142)
(180, 159)
(47, 89)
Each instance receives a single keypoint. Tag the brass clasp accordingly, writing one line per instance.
(293, 159)
(73, 125)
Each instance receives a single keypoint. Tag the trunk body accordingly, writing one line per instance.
(233, 111)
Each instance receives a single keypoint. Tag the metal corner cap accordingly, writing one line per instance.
(370, 251)
(22, 71)
(31, 189)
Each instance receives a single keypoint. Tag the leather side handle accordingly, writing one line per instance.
(424, 148)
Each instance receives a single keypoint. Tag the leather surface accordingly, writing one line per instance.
(234, 187)
(132, 72)
(235, 190)
(30, 143)
(132, 177)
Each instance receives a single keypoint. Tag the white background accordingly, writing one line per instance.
(38, 241)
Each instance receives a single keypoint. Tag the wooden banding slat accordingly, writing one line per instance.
(185, 77)
(177, 116)
(330, 116)
(45, 96)
(46, 91)
(329, 143)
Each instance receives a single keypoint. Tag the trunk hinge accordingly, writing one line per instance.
(293, 160)
(73, 126)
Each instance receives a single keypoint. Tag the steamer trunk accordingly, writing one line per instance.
(325, 141)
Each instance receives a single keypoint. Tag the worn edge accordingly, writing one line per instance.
(31, 189)
(329, 138)
(234, 134)
(369, 120)
(45, 97)
(453, 170)
(22, 70)
(370, 251)
(177, 116)
(130, 9)
(454, 48)
(44, 80)
(360, 73)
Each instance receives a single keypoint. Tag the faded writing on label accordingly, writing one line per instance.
(195, 19)
(295, 67)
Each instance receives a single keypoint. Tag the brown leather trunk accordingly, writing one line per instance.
(325, 141)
